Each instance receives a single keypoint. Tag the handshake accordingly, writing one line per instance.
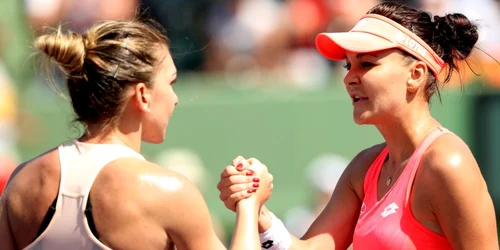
(246, 182)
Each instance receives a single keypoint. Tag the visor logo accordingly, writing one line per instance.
(410, 43)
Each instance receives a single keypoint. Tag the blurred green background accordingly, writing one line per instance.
(221, 116)
(285, 129)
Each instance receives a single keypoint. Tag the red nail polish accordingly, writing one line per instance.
(240, 165)
(256, 179)
(249, 191)
(249, 173)
(255, 185)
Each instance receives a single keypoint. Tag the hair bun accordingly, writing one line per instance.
(68, 50)
(456, 35)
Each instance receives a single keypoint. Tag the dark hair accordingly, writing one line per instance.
(452, 36)
(100, 64)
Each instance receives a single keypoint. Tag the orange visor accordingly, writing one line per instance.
(376, 33)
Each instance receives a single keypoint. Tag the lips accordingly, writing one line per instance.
(357, 98)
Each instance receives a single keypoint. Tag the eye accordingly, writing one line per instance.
(366, 65)
(347, 66)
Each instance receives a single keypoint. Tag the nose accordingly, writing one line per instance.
(351, 78)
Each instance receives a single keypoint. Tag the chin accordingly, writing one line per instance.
(360, 122)
(154, 134)
(362, 119)
(154, 138)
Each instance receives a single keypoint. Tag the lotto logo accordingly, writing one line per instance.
(268, 244)
(391, 209)
(410, 43)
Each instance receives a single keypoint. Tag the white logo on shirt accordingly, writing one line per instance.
(391, 209)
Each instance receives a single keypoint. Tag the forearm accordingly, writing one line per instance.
(245, 235)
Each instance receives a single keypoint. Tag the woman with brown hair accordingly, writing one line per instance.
(98, 191)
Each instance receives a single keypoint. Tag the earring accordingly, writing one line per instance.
(149, 110)
(411, 88)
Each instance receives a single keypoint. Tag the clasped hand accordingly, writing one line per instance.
(245, 179)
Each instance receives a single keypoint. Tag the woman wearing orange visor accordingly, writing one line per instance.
(422, 187)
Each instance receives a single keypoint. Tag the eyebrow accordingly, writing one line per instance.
(360, 55)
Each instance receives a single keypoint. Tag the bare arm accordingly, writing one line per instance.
(334, 227)
(183, 212)
(6, 237)
(188, 221)
(246, 233)
(459, 196)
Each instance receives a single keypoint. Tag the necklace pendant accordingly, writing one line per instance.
(389, 180)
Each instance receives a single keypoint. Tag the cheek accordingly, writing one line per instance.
(392, 90)
(161, 95)
(386, 98)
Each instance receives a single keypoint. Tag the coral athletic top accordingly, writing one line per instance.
(389, 223)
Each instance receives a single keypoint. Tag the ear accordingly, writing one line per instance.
(142, 97)
(417, 76)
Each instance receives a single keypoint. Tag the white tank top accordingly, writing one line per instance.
(80, 165)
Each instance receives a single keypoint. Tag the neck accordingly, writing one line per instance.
(117, 135)
(405, 133)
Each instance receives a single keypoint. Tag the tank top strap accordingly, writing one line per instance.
(81, 163)
(371, 177)
(416, 158)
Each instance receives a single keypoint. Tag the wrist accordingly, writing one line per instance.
(265, 220)
(247, 206)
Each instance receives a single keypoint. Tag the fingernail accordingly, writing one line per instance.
(255, 185)
(249, 173)
(256, 179)
(240, 165)
(249, 191)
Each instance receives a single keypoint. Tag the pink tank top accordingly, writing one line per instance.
(389, 223)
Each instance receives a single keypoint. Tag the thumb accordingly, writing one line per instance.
(253, 161)
(256, 165)
(240, 163)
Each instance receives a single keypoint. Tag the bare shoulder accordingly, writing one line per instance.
(449, 173)
(140, 175)
(166, 198)
(31, 189)
(38, 177)
(449, 159)
(450, 182)
(367, 156)
(156, 190)
(48, 162)
(357, 169)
